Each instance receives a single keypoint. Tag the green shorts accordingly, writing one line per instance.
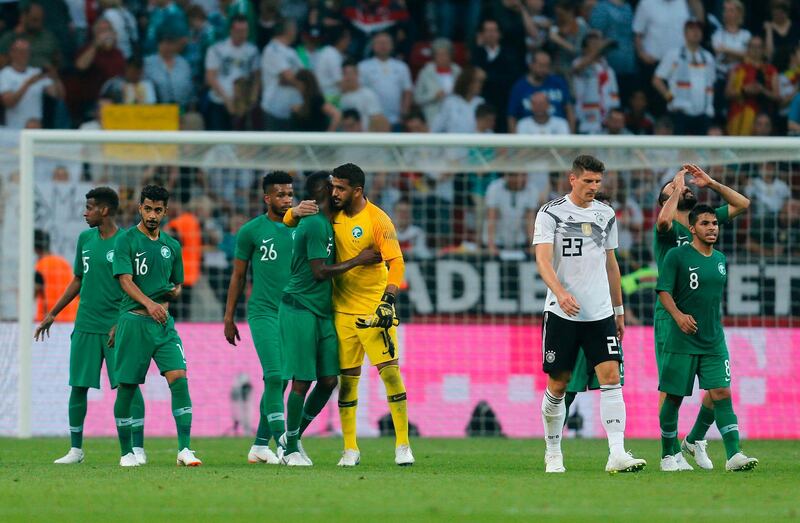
(308, 342)
(584, 377)
(140, 339)
(266, 338)
(679, 370)
(661, 327)
(87, 351)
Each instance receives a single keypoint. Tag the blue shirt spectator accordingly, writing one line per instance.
(794, 116)
(166, 17)
(170, 73)
(540, 79)
(614, 18)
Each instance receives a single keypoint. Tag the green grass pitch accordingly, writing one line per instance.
(453, 480)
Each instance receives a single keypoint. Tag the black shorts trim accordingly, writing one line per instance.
(562, 339)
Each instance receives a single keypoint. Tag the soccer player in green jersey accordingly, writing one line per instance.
(90, 343)
(307, 334)
(149, 266)
(672, 230)
(264, 243)
(690, 287)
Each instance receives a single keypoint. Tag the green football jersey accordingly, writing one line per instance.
(100, 291)
(675, 237)
(696, 283)
(267, 245)
(156, 265)
(312, 240)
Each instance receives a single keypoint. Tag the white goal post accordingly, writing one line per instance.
(375, 152)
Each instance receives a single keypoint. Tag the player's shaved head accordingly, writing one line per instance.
(105, 197)
(318, 186)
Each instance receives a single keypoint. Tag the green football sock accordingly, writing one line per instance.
(294, 413)
(273, 404)
(182, 411)
(705, 418)
(668, 420)
(263, 434)
(77, 413)
(137, 415)
(569, 397)
(728, 425)
(122, 416)
(315, 402)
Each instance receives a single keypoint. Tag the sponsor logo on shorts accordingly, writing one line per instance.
(550, 356)
(110, 256)
(165, 252)
(721, 268)
(357, 232)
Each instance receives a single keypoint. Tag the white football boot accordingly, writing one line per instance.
(682, 463)
(698, 451)
(350, 458)
(403, 456)
(74, 456)
(669, 464)
(295, 459)
(128, 460)
(300, 449)
(624, 462)
(740, 462)
(141, 456)
(262, 454)
(554, 462)
(187, 458)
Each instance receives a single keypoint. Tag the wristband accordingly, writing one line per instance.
(619, 310)
(388, 298)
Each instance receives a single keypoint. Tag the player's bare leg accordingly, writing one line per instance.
(612, 412)
(554, 413)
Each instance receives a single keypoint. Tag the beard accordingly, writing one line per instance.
(687, 203)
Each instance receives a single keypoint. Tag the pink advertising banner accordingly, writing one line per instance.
(448, 369)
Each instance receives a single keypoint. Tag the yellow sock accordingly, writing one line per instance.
(348, 403)
(398, 405)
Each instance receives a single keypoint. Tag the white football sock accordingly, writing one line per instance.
(553, 414)
(612, 411)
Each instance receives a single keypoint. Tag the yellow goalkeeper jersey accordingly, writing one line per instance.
(359, 290)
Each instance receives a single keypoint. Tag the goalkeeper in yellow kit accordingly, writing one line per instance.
(363, 306)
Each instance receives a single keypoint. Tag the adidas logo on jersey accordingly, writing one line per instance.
(570, 218)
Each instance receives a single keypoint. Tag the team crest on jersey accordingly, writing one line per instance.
(721, 268)
(110, 256)
(599, 219)
(550, 356)
(357, 232)
(586, 228)
(165, 252)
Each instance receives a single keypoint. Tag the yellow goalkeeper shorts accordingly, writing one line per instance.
(379, 345)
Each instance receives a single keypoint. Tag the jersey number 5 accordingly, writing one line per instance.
(85, 264)
(572, 247)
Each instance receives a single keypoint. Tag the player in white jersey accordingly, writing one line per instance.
(575, 237)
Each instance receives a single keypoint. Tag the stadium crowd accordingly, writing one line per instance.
(533, 67)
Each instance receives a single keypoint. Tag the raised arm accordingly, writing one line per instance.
(737, 202)
(670, 207)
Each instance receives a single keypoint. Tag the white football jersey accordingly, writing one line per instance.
(580, 238)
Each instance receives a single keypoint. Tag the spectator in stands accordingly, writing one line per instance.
(594, 84)
(537, 25)
(685, 80)
(457, 114)
(637, 119)
(187, 229)
(501, 66)
(124, 24)
(328, 62)
(369, 18)
(360, 98)
(511, 204)
(132, 87)
(466, 12)
(268, 18)
(412, 238)
(614, 123)
(53, 275)
(781, 34)
(776, 234)
(44, 46)
(437, 79)
(97, 62)
(542, 121)
(202, 35)
(313, 113)
(22, 87)
(279, 64)
(170, 73)
(730, 40)
(614, 20)
(767, 191)
(752, 88)
(788, 87)
(230, 65)
(351, 121)
(389, 78)
(762, 125)
(567, 36)
(508, 15)
(166, 17)
(794, 116)
(540, 79)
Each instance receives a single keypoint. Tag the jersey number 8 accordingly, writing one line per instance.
(693, 281)
(572, 247)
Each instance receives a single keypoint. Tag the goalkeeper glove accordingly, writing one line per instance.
(384, 315)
